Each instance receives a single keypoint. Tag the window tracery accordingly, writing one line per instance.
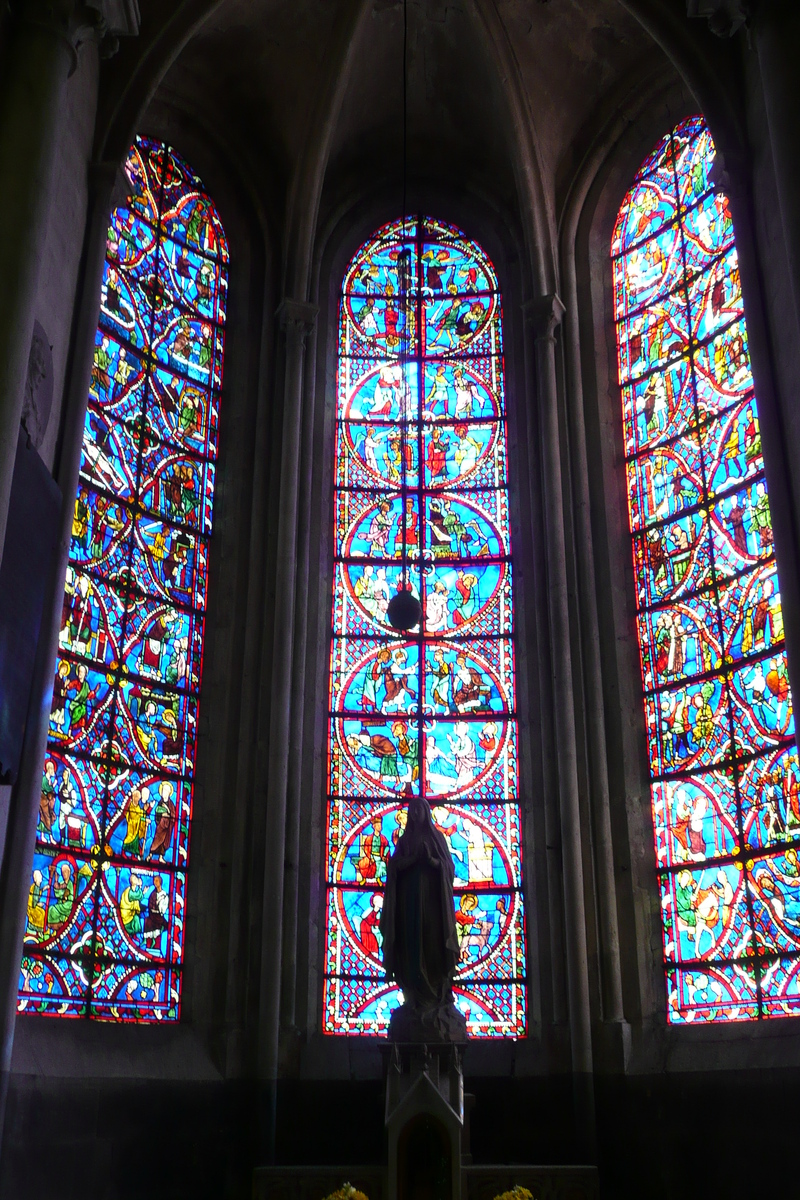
(718, 704)
(106, 909)
(420, 477)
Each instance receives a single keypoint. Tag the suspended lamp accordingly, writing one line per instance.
(404, 610)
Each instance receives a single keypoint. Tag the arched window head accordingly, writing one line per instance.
(718, 706)
(106, 910)
(421, 504)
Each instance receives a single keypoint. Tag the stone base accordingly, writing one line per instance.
(478, 1183)
(444, 1025)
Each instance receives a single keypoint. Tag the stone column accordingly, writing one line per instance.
(289, 1014)
(40, 54)
(16, 867)
(611, 976)
(297, 319)
(775, 33)
(545, 315)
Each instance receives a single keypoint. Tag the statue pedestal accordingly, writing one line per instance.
(424, 1120)
(444, 1025)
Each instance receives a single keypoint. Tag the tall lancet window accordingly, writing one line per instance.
(106, 909)
(420, 479)
(718, 706)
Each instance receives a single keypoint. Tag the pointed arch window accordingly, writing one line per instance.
(106, 910)
(420, 475)
(718, 705)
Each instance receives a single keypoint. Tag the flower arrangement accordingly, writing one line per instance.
(516, 1193)
(347, 1192)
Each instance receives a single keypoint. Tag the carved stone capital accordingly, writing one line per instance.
(544, 315)
(725, 17)
(297, 318)
(77, 21)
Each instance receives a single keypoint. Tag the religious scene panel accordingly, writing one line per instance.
(463, 389)
(652, 269)
(658, 335)
(100, 535)
(163, 644)
(663, 483)
(658, 407)
(673, 559)
(147, 817)
(372, 455)
(722, 368)
(469, 677)
(713, 992)
(154, 728)
(718, 703)
(649, 208)
(170, 562)
(464, 455)
(489, 925)
(126, 312)
(370, 524)
(71, 804)
(715, 298)
(732, 448)
(770, 792)
(113, 833)
(378, 268)
(780, 988)
(740, 519)
(173, 484)
(705, 913)
(483, 839)
(468, 600)
(125, 991)
(696, 819)
(761, 704)
(679, 641)
(93, 615)
(467, 526)
(362, 595)
(193, 281)
(183, 414)
(52, 986)
(110, 454)
(457, 324)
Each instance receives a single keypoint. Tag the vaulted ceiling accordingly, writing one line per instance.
(277, 81)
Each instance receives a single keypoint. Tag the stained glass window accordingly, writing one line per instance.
(718, 706)
(106, 908)
(420, 479)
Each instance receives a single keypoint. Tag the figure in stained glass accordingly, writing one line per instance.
(116, 792)
(421, 504)
(718, 701)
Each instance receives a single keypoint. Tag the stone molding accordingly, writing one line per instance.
(296, 318)
(78, 21)
(725, 17)
(544, 315)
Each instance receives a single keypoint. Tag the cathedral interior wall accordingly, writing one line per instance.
(178, 1111)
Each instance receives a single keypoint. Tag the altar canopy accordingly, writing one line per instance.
(421, 477)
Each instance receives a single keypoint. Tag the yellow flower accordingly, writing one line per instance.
(347, 1192)
(516, 1193)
